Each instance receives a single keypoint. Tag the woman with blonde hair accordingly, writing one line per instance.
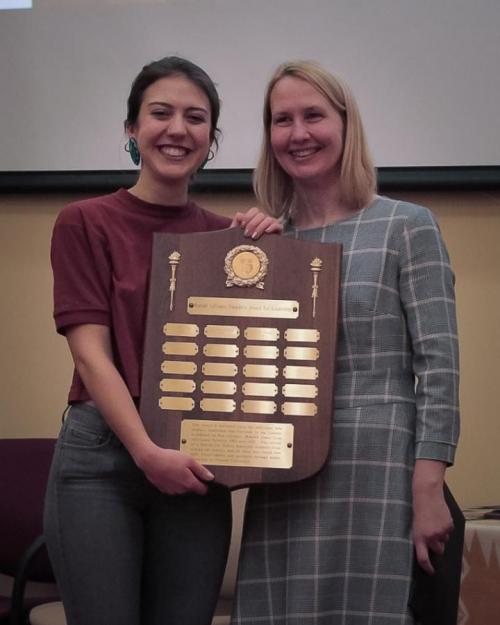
(340, 547)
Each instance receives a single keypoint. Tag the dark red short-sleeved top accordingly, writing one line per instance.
(101, 259)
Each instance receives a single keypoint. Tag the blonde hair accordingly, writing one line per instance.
(273, 187)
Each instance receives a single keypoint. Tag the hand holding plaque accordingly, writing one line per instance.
(240, 351)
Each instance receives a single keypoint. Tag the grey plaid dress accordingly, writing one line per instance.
(337, 549)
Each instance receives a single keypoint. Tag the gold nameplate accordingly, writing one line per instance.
(261, 351)
(262, 334)
(298, 409)
(300, 390)
(220, 350)
(177, 386)
(218, 387)
(221, 332)
(260, 371)
(261, 389)
(301, 353)
(222, 369)
(181, 329)
(298, 335)
(176, 403)
(254, 406)
(236, 307)
(217, 405)
(238, 443)
(180, 349)
(178, 367)
(292, 372)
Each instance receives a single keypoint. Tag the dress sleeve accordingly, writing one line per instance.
(82, 272)
(428, 297)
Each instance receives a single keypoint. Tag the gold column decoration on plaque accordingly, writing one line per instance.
(173, 260)
(316, 265)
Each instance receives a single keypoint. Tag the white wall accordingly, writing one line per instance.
(425, 73)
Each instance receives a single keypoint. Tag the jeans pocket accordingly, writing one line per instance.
(86, 429)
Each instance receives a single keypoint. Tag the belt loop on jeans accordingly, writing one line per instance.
(65, 413)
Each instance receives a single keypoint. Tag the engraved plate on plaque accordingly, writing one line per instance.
(255, 406)
(238, 443)
(262, 334)
(220, 350)
(178, 367)
(301, 353)
(176, 403)
(261, 351)
(218, 387)
(298, 335)
(300, 390)
(217, 405)
(295, 372)
(236, 307)
(181, 329)
(222, 369)
(261, 389)
(260, 371)
(175, 385)
(179, 349)
(221, 332)
(298, 409)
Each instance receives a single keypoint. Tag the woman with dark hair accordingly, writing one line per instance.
(137, 534)
(339, 548)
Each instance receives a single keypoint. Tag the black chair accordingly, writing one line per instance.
(24, 469)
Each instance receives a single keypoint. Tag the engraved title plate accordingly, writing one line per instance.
(234, 307)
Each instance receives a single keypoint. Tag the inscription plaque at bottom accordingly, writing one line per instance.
(238, 443)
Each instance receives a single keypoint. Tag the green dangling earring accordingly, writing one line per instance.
(133, 149)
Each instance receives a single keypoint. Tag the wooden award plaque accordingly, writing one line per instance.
(239, 353)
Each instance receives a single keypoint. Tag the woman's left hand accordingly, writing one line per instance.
(432, 522)
(255, 223)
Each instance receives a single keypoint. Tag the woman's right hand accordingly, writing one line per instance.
(174, 472)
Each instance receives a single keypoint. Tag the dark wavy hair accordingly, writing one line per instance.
(174, 66)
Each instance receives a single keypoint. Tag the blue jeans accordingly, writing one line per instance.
(123, 552)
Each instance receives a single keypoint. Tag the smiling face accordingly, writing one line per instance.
(306, 132)
(173, 131)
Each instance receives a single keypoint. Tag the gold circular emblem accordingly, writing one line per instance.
(245, 265)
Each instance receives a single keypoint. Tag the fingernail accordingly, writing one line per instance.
(254, 235)
(210, 476)
(246, 233)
